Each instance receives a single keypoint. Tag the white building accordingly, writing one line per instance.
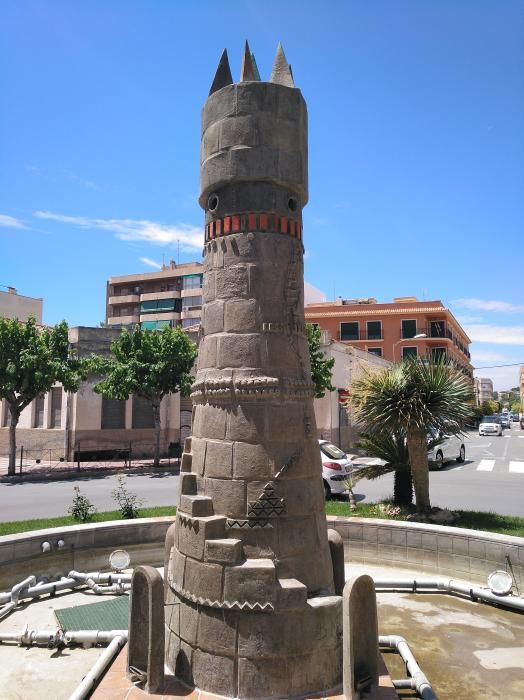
(333, 420)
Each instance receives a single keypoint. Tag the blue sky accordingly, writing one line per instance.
(416, 113)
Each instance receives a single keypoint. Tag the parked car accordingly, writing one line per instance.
(444, 448)
(490, 425)
(522, 423)
(336, 468)
(505, 420)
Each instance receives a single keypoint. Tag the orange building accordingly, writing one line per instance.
(395, 330)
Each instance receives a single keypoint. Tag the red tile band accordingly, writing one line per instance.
(235, 223)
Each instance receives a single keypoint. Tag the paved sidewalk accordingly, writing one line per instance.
(50, 470)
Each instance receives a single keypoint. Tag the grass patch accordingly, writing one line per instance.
(471, 519)
(43, 523)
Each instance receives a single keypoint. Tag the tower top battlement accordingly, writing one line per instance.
(281, 73)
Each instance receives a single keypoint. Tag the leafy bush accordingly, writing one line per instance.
(81, 509)
(128, 502)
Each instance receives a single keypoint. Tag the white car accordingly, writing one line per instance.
(450, 447)
(490, 425)
(336, 468)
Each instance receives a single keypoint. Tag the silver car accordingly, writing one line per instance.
(448, 447)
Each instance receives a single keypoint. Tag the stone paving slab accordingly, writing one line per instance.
(116, 686)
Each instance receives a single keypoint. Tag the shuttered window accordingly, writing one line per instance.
(56, 408)
(142, 413)
(113, 414)
(38, 421)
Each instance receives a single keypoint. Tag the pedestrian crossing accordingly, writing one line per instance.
(486, 465)
(515, 466)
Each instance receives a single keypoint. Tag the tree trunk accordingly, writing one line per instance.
(15, 415)
(418, 458)
(156, 419)
(403, 488)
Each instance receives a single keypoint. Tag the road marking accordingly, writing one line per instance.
(507, 436)
(520, 437)
(486, 465)
(516, 467)
(488, 444)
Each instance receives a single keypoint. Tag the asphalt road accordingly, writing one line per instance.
(53, 498)
(492, 478)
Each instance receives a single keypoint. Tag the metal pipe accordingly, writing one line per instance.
(453, 587)
(418, 678)
(90, 681)
(56, 638)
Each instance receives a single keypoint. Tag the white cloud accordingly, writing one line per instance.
(312, 295)
(488, 305)
(10, 222)
(89, 184)
(151, 263)
(189, 237)
(500, 335)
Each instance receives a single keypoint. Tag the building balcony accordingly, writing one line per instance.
(161, 316)
(122, 320)
(196, 292)
(153, 296)
(361, 335)
(124, 299)
(194, 312)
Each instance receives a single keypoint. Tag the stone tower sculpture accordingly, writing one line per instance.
(250, 604)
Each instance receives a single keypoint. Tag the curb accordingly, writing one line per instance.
(71, 475)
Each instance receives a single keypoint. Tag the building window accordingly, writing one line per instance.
(374, 330)
(375, 351)
(438, 354)
(113, 414)
(437, 329)
(409, 352)
(160, 306)
(142, 413)
(38, 420)
(349, 331)
(192, 282)
(190, 302)
(56, 407)
(188, 322)
(409, 328)
(155, 325)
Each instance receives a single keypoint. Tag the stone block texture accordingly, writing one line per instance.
(249, 564)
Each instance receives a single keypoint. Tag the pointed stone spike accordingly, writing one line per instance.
(281, 72)
(223, 75)
(255, 67)
(247, 71)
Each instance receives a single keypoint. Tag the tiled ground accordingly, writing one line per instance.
(116, 686)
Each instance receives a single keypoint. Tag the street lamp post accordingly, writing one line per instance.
(415, 337)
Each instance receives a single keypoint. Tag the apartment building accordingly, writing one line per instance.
(171, 296)
(483, 390)
(395, 330)
(14, 305)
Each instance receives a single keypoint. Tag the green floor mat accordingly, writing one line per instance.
(108, 615)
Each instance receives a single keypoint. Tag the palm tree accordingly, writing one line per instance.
(412, 397)
(392, 449)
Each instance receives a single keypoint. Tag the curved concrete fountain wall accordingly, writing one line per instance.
(449, 551)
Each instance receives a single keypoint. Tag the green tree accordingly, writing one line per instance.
(150, 364)
(392, 449)
(409, 398)
(32, 360)
(489, 408)
(321, 369)
(516, 407)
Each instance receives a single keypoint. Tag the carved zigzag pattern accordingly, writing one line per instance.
(224, 604)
